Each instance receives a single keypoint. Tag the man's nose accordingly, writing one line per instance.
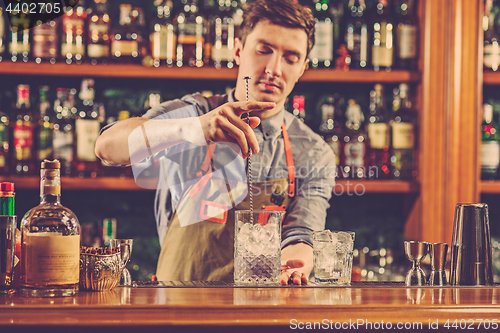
(273, 67)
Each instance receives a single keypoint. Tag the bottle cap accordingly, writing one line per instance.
(6, 187)
(55, 164)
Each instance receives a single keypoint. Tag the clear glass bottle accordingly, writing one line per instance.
(162, 35)
(23, 158)
(356, 34)
(382, 41)
(64, 131)
(406, 53)
(98, 39)
(490, 145)
(378, 133)
(50, 241)
(45, 41)
(321, 54)
(403, 128)
(354, 144)
(190, 35)
(87, 128)
(73, 33)
(491, 50)
(45, 127)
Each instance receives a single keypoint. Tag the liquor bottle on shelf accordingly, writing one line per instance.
(23, 160)
(490, 145)
(139, 22)
(403, 122)
(190, 35)
(382, 30)
(378, 133)
(126, 39)
(491, 55)
(355, 141)
(337, 15)
(321, 54)
(45, 42)
(331, 127)
(87, 128)
(298, 106)
(162, 37)
(73, 33)
(223, 36)
(406, 53)
(4, 142)
(45, 127)
(108, 230)
(19, 44)
(3, 35)
(64, 131)
(50, 241)
(356, 34)
(98, 39)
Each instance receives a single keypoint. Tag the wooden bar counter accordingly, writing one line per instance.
(232, 309)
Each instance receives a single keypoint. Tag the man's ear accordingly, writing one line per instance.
(238, 46)
(306, 66)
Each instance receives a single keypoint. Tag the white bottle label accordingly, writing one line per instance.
(87, 131)
(52, 259)
(378, 134)
(355, 153)
(382, 50)
(63, 145)
(323, 46)
(403, 136)
(490, 154)
(407, 41)
(491, 58)
(125, 48)
(97, 50)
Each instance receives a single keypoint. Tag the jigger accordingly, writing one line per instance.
(438, 252)
(416, 252)
(471, 246)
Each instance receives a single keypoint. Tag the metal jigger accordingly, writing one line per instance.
(416, 252)
(471, 247)
(438, 252)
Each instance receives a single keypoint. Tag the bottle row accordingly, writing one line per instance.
(377, 143)
(491, 26)
(377, 34)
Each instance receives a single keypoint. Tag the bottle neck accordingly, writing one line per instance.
(50, 186)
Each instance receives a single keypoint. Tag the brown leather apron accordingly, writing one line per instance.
(204, 251)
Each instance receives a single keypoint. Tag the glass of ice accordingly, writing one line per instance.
(257, 247)
(333, 257)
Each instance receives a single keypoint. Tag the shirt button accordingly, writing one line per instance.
(268, 133)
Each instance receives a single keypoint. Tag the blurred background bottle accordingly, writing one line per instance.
(356, 34)
(162, 37)
(321, 54)
(64, 131)
(378, 133)
(73, 35)
(491, 57)
(190, 35)
(353, 158)
(23, 161)
(490, 145)
(44, 127)
(382, 41)
(406, 44)
(98, 39)
(45, 41)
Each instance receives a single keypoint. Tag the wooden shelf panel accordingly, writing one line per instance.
(492, 78)
(489, 187)
(343, 187)
(205, 73)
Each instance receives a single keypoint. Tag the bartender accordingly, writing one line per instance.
(199, 148)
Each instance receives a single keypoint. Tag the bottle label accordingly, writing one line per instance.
(52, 259)
(379, 135)
(87, 131)
(382, 51)
(490, 154)
(99, 28)
(407, 41)
(190, 39)
(45, 40)
(72, 49)
(125, 47)
(323, 46)
(163, 42)
(403, 136)
(20, 42)
(355, 153)
(97, 51)
(491, 58)
(63, 145)
(23, 139)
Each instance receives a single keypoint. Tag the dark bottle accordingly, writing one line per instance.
(403, 128)
(378, 133)
(45, 127)
(321, 54)
(23, 160)
(490, 144)
(190, 35)
(126, 40)
(406, 34)
(162, 37)
(20, 41)
(4, 142)
(222, 30)
(64, 131)
(45, 42)
(337, 15)
(98, 39)
(87, 128)
(331, 127)
(356, 34)
(73, 35)
(382, 37)
(491, 50)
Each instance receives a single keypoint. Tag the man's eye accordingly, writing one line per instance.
(291, 59)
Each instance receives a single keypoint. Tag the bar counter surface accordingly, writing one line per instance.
(363, 307)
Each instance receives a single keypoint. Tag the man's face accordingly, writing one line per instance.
(275, 58)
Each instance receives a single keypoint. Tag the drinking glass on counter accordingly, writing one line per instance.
(125, 247)
(332, 255)
(257, 247)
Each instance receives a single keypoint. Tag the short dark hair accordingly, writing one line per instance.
(286, 13)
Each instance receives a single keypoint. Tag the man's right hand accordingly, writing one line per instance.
(224, 124)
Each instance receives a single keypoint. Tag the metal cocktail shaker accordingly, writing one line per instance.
(471, 246)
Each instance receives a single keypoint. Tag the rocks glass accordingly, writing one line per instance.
(257, 247)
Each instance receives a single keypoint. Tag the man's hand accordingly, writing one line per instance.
(296, 264)
(224, 124)
(291, 276)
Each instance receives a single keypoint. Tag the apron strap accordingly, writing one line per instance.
(289, 162)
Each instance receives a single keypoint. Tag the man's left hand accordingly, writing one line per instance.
(290, 274)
